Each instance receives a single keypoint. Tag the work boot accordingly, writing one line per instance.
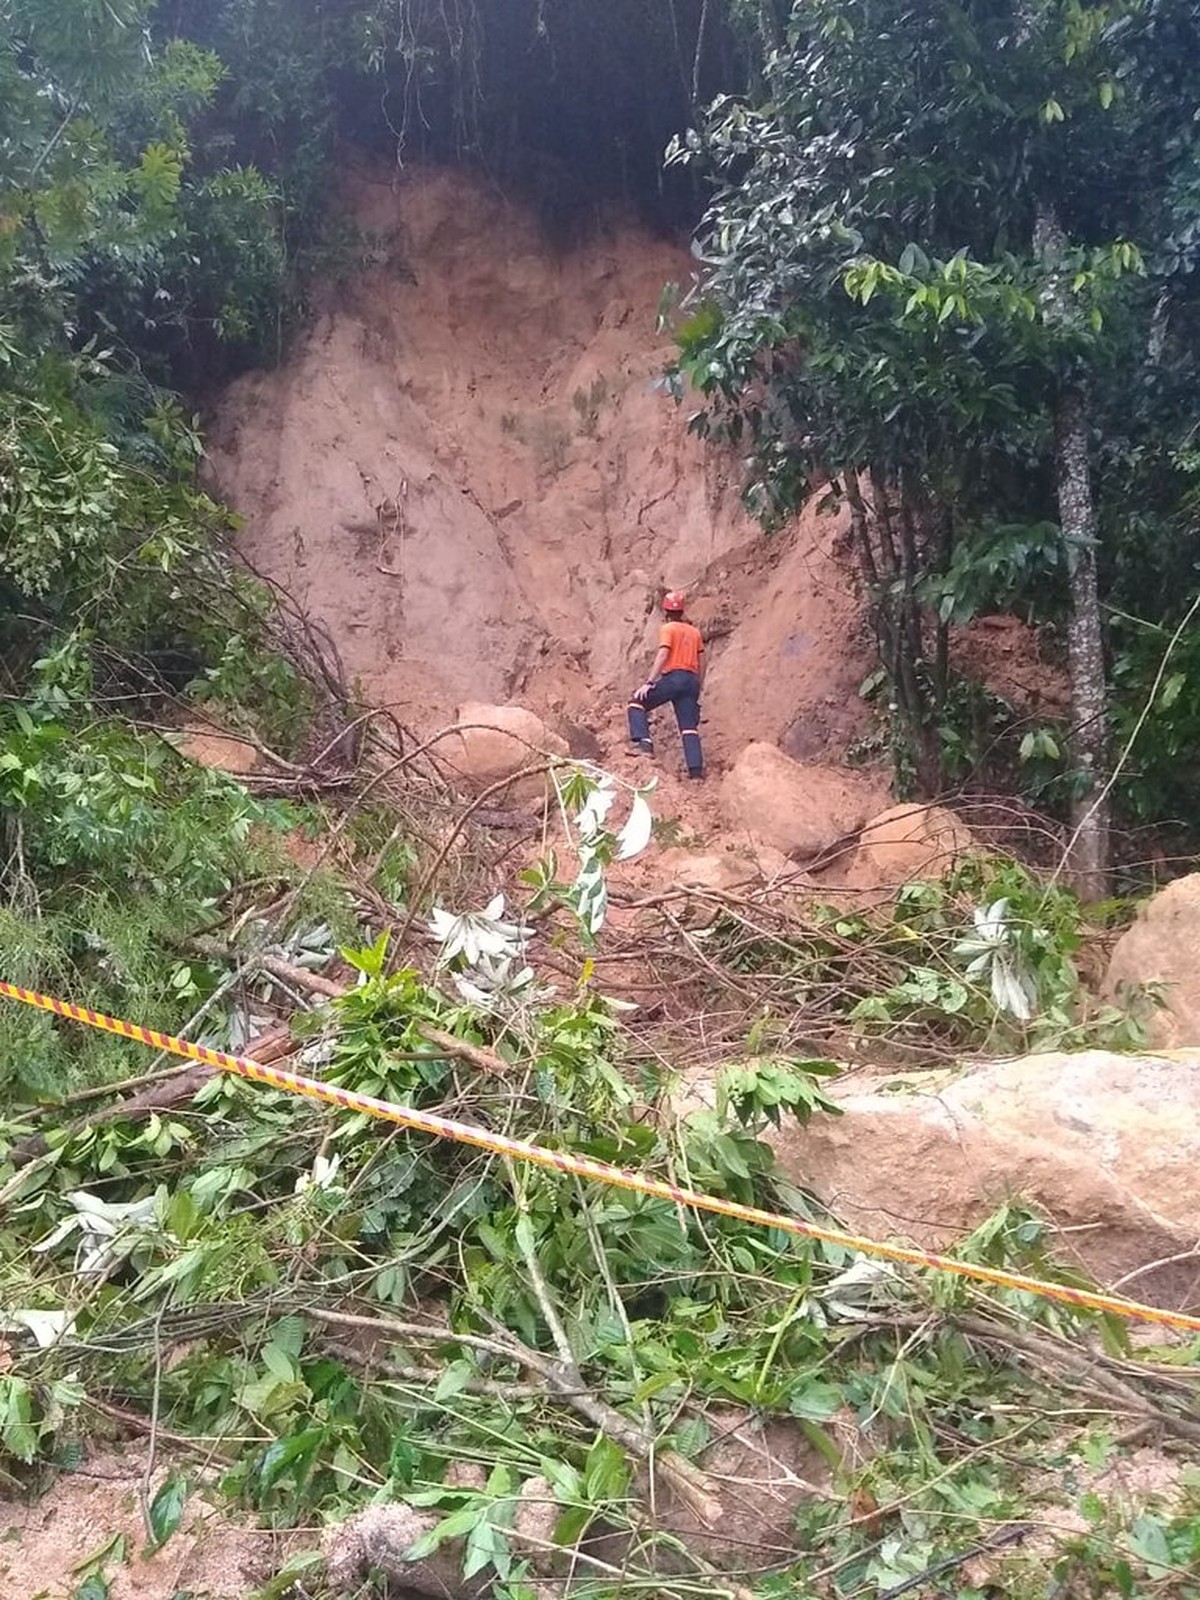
(697, 777)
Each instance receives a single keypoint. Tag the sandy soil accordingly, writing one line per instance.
(468, 469)
(45, 1546)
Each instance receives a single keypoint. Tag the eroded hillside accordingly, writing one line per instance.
(468, 469)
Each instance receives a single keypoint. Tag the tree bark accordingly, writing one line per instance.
(1087, 861)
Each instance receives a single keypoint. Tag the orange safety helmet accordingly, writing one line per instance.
(674, 600)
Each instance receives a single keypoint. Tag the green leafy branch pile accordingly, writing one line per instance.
(986, 959)
(323, 1315)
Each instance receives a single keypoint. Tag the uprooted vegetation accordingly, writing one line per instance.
(481, 1377)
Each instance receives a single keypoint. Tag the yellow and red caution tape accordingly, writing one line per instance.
(597, 1171)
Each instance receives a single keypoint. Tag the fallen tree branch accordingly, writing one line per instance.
(1059, 1357)
(994, 1541)
(693, 1486)
(417, 898)
(485, 1060)
(426, 1378)
(448, 1043)
(166, 1090)
(144, 1425)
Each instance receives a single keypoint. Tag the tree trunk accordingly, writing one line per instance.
(1088, 857)
(1086, 865)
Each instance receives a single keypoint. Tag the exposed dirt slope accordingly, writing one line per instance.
(468, 469)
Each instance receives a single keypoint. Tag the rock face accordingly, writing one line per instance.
(1163, 946)
(498, 742)
(904, 843)
(1106, 1147)
(798, 809)
(210, 747)
(720, 870)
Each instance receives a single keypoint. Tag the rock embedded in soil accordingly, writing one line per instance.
(1163, 947)
(716, 871)
(378, 1540)
(799, 809)
(905, 843)
(764, 1470)
(211, 747)
(498, 742)
(1105, 1147)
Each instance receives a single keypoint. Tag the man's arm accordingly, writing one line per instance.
(656, 671)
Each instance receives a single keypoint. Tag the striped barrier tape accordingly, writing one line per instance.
(596, 1171)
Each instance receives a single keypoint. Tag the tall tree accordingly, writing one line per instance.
(880, 309)
(110, 252)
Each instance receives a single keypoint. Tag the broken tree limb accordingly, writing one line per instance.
(486, 1060)
(1054, 1355)
(691, 1484)
(165, 1091)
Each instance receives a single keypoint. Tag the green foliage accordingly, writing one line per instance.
(111, 572)
(759, 1091)
(930, 973)
(167, 1508)
(123, 808)
(1156, 714)
(61, 493)
(1000, 568)
(878, 310)
(241, 1219)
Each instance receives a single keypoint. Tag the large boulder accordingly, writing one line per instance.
(1106, 1147)
(905, 843)
(497, 742)
(1163, 947)
(799, 809)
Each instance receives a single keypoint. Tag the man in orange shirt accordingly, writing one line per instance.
(677, 676)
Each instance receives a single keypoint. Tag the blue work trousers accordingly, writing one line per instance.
(682, 689)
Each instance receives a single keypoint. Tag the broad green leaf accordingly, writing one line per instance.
(18, 1433)
(166, 1509)
(1171, 690)
(606, 1471)
(486, 1547)
(453, 1380)
(1148, 1539)
(572, 1524)
(279, 1363)
(815, 1401)
(455, 1526)
(295, 1449)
